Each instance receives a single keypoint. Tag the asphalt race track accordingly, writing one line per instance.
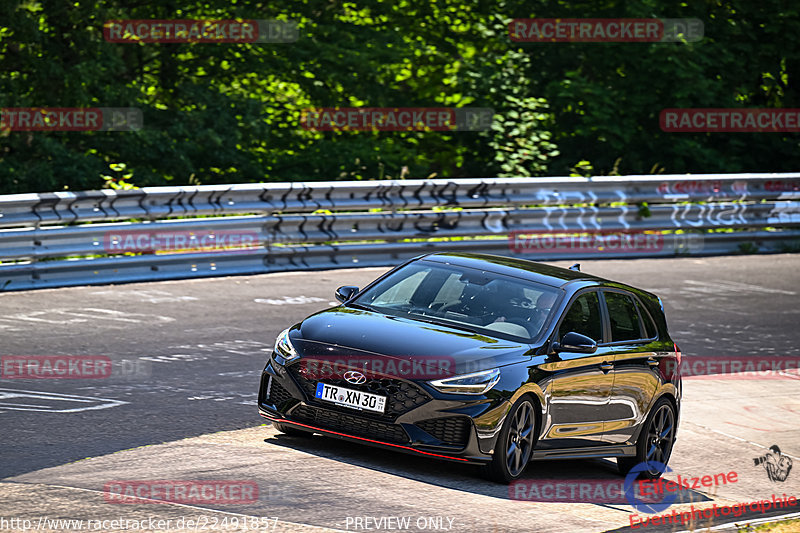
(180, 405)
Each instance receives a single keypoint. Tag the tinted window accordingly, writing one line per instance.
(623, 317)
(402, 291)
(451, 291)
(583, 317)
(649, 327)
(484, 302)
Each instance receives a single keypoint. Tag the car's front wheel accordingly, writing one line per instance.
(515, 443)
(654, 446)
(292, 431)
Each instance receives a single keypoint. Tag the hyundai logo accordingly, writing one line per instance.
(355, 377)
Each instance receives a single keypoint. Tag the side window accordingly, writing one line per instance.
(623, 317)
(649, 327)
(584, 317)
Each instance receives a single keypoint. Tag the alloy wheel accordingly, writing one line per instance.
(520, 439)
(660, 437)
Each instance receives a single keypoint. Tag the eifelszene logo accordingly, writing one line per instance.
(639, 503)
(775, 463)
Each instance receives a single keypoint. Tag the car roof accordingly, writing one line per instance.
(538, 272)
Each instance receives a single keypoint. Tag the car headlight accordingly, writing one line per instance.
(475, 383)
(284, 348)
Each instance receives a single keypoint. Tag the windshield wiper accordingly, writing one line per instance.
(441, 322)
(363, 307)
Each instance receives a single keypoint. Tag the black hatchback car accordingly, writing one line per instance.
(484, 359)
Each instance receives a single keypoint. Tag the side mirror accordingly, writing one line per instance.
(346, 292)
(575, 343)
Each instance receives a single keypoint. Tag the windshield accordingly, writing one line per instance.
(483, 302)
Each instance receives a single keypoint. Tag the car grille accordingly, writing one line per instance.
(402, 396)
(352, 425)
(276, 393)
(452, 430)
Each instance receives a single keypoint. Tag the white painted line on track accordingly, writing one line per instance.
(11, 394)
(737, 438)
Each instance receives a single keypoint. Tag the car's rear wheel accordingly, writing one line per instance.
(654, 446)
(515, 443)
(292, 431)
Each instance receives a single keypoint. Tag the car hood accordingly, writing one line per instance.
(382, 343)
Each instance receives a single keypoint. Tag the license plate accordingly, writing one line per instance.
(353, 399)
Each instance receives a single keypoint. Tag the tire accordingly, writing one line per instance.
(515, 443)
(292, 431)
(655, 442)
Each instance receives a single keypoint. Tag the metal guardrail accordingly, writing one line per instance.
(61, 239)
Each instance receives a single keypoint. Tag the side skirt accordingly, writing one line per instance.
(587, 452)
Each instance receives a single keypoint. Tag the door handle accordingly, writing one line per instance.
(606, 366)
(652, 362)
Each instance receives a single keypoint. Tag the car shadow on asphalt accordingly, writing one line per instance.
(468, 478)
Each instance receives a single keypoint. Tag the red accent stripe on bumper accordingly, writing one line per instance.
(364, 439)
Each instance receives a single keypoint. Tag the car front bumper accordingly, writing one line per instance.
(418, 420)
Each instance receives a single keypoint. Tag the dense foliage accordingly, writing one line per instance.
(227, 113)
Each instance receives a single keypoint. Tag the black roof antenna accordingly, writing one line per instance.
(576, 267)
